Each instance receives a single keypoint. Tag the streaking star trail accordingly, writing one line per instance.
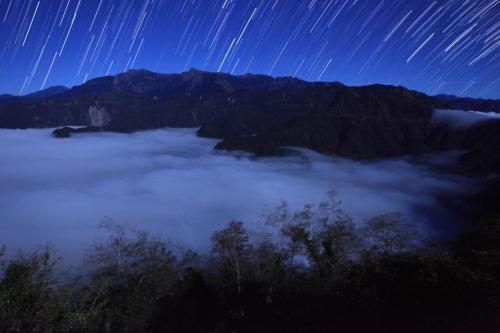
(433, 46)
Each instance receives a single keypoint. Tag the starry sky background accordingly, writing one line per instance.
(433, 46)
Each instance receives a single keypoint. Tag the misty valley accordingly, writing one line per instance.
(62, 189)
(210, 202)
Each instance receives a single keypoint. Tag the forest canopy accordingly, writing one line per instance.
(311, 270)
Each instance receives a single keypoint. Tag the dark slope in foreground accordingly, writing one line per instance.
(260, 114)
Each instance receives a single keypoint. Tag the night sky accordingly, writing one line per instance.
(432, 46)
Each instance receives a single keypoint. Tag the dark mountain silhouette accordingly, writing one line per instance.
(36, 96)
(49, 92)
(261, 114)
(193, 82)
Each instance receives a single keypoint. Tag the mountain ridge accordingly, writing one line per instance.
(32, 97)
(257, 113)
(476, 104)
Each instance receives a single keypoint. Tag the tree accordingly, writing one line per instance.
(231, 250)
(324, 234)
(390, 234)
(3, 248)
(27, 299)
(278, 218)
(129, 275)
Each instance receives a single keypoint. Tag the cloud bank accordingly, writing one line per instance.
(462, 119)
(174, 184)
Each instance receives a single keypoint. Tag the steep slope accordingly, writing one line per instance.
(366, 122)
(476, 134)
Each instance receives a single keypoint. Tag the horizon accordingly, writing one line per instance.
(225, 73)
(428, 46)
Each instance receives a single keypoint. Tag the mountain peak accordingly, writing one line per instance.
(136, 72)
(195, 70)
(51, 91)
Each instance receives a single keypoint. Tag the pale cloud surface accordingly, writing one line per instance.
(173, 184)
(462, 119)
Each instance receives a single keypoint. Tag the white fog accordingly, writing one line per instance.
(173, 184)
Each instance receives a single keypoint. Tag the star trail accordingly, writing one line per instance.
(429, 45)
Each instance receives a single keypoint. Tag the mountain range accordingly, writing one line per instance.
(36, 96)
(262, 114)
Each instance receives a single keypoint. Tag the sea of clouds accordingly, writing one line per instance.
(463, 119)
(172, 183)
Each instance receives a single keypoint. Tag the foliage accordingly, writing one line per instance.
(311, 270)
(129, 275)
(28, 294)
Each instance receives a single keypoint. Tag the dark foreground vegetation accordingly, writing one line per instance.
(307, 271)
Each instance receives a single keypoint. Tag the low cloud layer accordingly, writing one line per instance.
(462, 119)
(175, 185)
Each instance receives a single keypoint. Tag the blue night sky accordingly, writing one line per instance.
(430, 45)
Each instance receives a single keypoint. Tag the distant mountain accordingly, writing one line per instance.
(7, 99)
(49, 92)
(193, 82)
(256, 113)
(33, 97)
